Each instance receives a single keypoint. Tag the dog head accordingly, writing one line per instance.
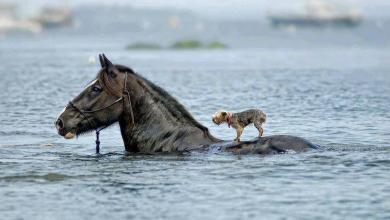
(220, 117)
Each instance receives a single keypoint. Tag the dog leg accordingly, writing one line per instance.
(239, 132)
(259, 128)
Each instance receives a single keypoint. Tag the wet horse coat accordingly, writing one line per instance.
(150, 119)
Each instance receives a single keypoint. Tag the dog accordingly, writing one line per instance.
(240, 120)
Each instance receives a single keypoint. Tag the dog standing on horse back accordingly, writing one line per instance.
(240, 120)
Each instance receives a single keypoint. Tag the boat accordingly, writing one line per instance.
(9, 21)
(318, 14)
(52, 17)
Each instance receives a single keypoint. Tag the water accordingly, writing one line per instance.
(337, 97)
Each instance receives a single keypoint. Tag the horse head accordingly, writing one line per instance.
(100, 104)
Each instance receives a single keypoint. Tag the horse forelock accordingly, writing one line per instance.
(108, 83)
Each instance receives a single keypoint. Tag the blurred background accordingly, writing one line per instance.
(233, 23)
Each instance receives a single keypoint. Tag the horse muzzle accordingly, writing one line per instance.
(62, 131)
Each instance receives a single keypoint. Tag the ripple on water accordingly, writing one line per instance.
(35, 177)
(324, 98)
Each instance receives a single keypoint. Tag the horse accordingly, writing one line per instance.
(150, 119)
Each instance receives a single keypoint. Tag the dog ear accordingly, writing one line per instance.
(224, 113)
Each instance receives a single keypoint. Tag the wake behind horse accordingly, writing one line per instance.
(150, 119)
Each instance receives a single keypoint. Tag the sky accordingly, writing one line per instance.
(228, 8)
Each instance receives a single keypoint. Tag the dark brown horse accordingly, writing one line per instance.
(150, 119)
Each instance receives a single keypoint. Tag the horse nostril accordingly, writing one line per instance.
(59, 124)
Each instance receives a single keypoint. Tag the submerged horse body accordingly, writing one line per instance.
(150, 119)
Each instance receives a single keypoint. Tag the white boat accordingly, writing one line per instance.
(10, 23)
(318, 14)
(52, 17)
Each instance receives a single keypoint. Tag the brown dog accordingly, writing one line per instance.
(240, 120)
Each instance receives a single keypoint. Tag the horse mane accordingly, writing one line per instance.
(167, 99)
(173, 106)
(123, 68)
(171, 103)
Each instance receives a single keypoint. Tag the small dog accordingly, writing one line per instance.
(240, 120)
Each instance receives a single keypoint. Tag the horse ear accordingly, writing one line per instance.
(109, 67)
(107, 62)
(101, 61)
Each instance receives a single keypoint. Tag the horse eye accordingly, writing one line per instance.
(96, 89)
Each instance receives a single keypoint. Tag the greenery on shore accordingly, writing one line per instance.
(178, 45)
(216, 45)
(194, 44)
(187, 44)
(143, 46)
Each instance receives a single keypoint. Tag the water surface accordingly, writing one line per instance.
(337, 97)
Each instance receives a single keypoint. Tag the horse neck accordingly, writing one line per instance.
(161, 124)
